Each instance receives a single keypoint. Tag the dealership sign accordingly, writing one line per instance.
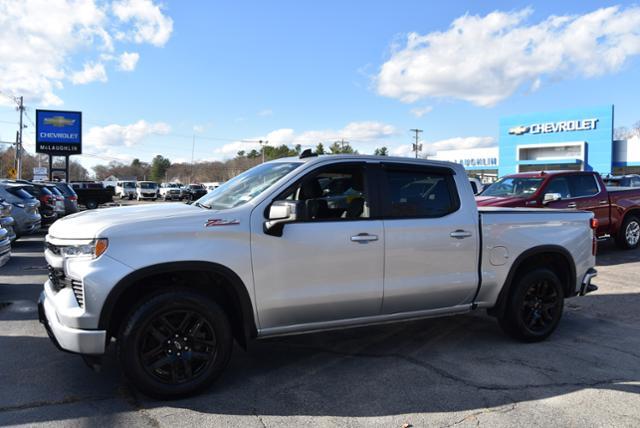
(59, 132)
(490, 162)
(552, 127)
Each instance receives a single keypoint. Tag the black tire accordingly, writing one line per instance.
(629, 235)
(176, 373)
(91, 205)
(534, 307)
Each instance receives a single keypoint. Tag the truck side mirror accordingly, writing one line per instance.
(551, 197)
(281, 213)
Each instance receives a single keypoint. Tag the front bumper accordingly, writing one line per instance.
(587, 286)
(89, 342)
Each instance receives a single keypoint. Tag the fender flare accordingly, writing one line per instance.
(240, 293)
(531, 252)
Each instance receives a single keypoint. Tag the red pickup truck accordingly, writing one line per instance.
(616, 208)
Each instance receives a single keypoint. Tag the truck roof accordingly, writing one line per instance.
(319, 158)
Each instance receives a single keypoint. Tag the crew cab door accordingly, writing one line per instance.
(582, 192)
(431, 238)
(328, 267)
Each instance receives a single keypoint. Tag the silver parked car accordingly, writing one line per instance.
(6, 219)
(25, 208)
(5, 246)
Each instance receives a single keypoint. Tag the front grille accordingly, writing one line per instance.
(59, 281)
(57, 278)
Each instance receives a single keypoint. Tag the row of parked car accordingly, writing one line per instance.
(27, 206)
(168, 191)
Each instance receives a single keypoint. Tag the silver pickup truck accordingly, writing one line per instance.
(299, 245)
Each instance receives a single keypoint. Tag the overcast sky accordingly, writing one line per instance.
(148, 75)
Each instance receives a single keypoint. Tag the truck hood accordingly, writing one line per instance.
(497, 201)
(91, 223)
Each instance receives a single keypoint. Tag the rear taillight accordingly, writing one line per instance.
(594, 239)
(73, 198)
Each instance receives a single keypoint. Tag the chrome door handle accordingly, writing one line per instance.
(571, 205)
(604, 202)
(460, 234)
(364, 237)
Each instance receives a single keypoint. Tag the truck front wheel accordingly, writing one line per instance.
(534, 307)
(176, 344)
(92, 205)
(629, 236)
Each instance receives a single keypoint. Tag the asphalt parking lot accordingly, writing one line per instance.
(441, 372)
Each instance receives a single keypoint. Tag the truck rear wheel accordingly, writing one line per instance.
(175, 344)
(629, 235)
(534, 307)
(92, 205)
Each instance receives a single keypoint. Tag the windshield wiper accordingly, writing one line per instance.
(198, 204)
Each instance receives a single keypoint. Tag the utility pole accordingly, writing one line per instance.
(262, 144)
(19, 142)
(416, 146)
(193, 148)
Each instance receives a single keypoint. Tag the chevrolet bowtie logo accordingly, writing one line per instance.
(59, 121)
(518, 130)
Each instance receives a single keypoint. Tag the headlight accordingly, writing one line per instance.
(18, 204)
(92, 250)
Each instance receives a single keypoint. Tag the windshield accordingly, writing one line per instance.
(246, 186)
(129, 185)
(518, 187)
(147, 185)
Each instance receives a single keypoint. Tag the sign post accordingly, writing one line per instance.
(59, 133)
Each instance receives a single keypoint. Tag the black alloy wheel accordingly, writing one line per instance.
(540, 305)
(175, 344)
(534, 306)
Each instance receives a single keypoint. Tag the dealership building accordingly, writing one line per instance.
(579, 139)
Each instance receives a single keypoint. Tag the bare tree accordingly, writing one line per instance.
(621, 133)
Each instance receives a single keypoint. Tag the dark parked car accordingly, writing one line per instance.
(194, 192)
(59, 198)
(70, 196)
(91, 193)
(629, 180)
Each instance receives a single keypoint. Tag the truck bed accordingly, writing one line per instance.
(507, 233)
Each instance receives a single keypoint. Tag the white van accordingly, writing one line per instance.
(126, 189)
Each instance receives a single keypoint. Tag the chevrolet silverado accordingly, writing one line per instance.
(300, 245)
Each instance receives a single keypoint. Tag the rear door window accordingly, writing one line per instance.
(583, 185)
(419, 193)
